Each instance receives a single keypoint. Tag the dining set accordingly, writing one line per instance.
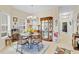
(31, 40)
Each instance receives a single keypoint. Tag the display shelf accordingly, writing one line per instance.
(34, 23)
(47, 28)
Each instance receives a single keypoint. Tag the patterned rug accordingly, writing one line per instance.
(24, 49)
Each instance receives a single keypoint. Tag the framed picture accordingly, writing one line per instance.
(56, 22)
(78, 18)
(15, 19)
(64, 26)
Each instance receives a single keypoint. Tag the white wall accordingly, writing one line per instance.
(52, 12)
(13, 12)
(70, 28)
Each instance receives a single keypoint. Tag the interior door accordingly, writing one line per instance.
(66, 25)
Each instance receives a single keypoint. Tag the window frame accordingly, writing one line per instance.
(7, 25)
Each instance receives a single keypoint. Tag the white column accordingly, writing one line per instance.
(9, 26)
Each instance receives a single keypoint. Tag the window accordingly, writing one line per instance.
(5, 25)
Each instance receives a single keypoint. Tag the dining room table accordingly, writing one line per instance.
(30, 38)
(32, 41)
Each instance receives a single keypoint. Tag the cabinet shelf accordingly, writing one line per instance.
(47, 28)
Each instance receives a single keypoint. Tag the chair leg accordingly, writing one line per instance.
(30, 46)
(38, 47)
(41, 45)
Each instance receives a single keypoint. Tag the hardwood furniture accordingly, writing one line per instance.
(47, 28)
(30, 41)
(8, 41)
(15, 37)
(75, 39)
(15, 34)
(21, 42)
(36, 37)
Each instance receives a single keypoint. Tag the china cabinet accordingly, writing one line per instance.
(47, 28)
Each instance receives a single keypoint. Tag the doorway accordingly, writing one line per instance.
(66, 26)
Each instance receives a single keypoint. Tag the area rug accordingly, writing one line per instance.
(25, 50)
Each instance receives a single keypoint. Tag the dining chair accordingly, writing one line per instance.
(22, 41)
(37, 41)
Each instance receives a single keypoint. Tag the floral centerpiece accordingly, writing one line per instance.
(29, 31)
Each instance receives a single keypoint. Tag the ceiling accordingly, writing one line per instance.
(43, 10)
(40, 10)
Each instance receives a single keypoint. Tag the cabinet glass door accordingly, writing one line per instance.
(45, 30)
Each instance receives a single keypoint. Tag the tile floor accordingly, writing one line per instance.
(65, 42)
(8, 50)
